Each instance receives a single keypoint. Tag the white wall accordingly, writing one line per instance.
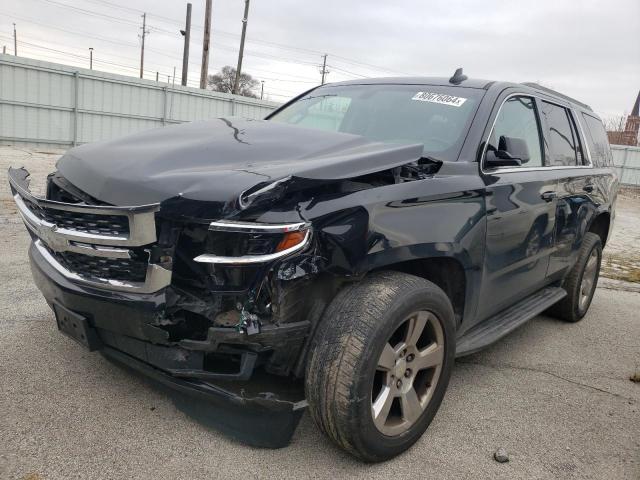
(627, 162)
(47, 103)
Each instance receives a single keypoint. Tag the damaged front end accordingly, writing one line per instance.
(214, 282)
(217, 310)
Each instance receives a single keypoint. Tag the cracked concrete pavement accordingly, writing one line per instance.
(556, 396)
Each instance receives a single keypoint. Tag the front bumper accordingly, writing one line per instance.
(262, 412)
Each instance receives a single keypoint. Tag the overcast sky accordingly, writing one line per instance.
(587, 49)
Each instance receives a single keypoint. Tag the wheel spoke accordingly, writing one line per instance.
(411, 408)
(387, 358)
(380, 408)
(416, 327)
(429, 357)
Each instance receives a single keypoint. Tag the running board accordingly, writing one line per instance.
(505, 322)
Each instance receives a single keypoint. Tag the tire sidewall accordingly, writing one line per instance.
(380, 445)
(597, 245)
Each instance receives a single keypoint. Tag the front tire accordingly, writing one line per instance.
(380, 363)
(581, 281)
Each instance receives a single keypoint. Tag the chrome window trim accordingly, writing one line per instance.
(253, 259)
(496, 170)
(157, 276)
(251, 227)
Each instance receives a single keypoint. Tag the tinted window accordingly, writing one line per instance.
(435, 116)
(518, 119)
(598, 141)
(565, 145)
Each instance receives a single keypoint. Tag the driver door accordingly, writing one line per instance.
(521, 206)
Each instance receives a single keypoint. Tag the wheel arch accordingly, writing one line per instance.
(446, 272)
(600, 226)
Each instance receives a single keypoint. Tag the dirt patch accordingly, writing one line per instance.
(621, 267)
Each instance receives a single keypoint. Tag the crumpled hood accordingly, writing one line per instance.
(217, 160)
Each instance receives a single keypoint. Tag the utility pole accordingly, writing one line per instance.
(15, 41)
(261, 89)
(204, 71)
(4, 49)
(90, 58)
(185, 54)
(244, 32)
(174, 77)
(157, 74)
(144, 34)
(324, 71)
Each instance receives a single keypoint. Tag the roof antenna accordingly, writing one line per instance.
(458, 77)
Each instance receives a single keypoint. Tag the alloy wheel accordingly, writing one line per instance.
(407, 373)
(588, 280)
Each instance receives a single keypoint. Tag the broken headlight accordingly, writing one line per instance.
(240, 243)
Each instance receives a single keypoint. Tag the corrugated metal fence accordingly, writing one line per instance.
(627, 163)
(49, 103)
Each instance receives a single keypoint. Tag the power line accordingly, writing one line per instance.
(175, 22)
(348, 72)
(91, 12)
(76, 55)
(293, 77)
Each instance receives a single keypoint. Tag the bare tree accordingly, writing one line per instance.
(615, 123)
(224, 80)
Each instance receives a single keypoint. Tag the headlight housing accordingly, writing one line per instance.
(246, 243)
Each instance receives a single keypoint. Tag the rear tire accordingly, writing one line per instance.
(581, 281)
(390, 338)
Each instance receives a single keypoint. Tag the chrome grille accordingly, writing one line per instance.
(99, 246)
(124, 269)
(98, 224)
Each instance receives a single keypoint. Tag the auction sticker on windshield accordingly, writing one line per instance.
(441, 98)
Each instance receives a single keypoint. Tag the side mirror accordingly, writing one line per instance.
(512, 152)
(500, 158)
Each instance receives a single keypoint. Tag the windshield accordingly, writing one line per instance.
(435, 116)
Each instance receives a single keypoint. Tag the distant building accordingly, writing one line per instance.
(630, 134)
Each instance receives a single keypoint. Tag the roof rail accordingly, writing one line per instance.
(557, 94)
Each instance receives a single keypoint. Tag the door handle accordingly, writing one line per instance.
(588, 188)
(548, 196)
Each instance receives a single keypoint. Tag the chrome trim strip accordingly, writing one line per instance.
(253, 259)
(142, 229)
(157, 277)
(249, 227)
(531, 169)
(99, 251)
(58, 238)
(525, 169)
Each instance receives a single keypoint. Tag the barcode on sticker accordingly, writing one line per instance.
(440, 98)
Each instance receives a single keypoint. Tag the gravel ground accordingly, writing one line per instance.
(557, 397)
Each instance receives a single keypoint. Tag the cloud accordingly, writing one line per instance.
(588, 49)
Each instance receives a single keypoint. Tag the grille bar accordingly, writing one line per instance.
(157, 277)
(97, 246)
(135, 226)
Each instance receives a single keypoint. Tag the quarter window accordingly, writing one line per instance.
(565, 145)
(518, 119)
(598, 141)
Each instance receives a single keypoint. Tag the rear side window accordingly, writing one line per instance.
(598, 141)
(565, 145)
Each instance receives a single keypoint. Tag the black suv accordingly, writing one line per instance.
(338, 254)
